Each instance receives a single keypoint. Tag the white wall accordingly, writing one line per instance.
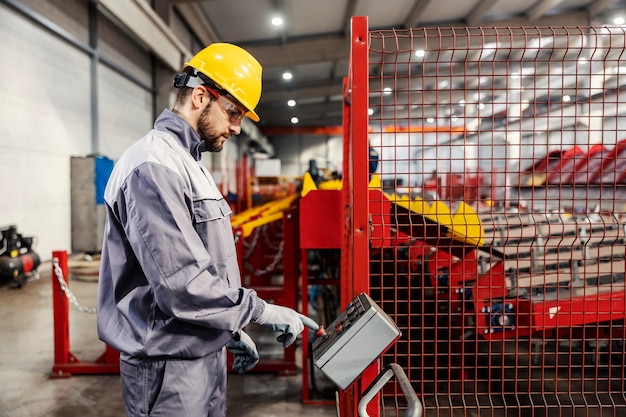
(44, 119)
(295, 152)
(124, 113)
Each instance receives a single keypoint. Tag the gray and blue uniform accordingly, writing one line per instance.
(169, 291)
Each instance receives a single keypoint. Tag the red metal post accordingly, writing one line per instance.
(61, 311)
(65, 362)
(243, 180)
(358, 178)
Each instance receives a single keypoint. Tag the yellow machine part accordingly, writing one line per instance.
(265, 211)
(463, 226)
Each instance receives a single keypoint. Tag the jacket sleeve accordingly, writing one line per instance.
(156, 210)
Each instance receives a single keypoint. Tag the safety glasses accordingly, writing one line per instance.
(234, 113)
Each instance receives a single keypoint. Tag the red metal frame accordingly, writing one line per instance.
(355, 242)
(285, 293)
(472, 334)
(65, 362)
(320, 226)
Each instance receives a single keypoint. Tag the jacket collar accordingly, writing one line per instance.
(185, 134)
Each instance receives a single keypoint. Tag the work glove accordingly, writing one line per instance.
(244, 350)
(285, 320)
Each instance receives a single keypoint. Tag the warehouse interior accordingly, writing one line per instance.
(487, 224)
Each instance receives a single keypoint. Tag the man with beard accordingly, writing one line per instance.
(169, 293)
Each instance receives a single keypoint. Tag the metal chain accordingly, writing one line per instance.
(271, 266)
(252, 244)
(268, 241)
(66, 289)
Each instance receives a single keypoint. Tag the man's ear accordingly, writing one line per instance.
(199, 96)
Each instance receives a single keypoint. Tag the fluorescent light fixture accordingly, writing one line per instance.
(295, 120)
(291, 103)
(287, 75)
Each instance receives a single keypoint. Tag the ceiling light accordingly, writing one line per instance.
(420, 53)
(430, 120)
(619, 20)
(370, 112)
(277, 21)
(461, 102)
(291, 103)
(294, 120)
(287, 75)
(481, 105)
(566, 98)
(387, 91)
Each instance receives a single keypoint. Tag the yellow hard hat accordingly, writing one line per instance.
(233, 69)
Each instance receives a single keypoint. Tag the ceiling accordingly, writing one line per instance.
(313, 43)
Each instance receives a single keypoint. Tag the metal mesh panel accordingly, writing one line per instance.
(500, 153)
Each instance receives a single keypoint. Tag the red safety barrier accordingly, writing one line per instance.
(528, 317)
(65, 362)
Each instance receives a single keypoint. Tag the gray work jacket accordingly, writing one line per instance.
(169, 284)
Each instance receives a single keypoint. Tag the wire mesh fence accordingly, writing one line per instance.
(501, 159)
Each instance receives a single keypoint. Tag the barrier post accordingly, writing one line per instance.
(61, 309)
(65, 362)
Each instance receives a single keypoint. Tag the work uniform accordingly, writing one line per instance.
(170, 296)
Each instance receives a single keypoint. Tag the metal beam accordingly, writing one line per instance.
(476, 15)
(414, 16)
(301, 52)
(540, 8)
(302, 90)
(199, 22)
(140, 19)
(599, 6)
(301, 110)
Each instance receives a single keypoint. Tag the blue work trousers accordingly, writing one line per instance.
(174, 388)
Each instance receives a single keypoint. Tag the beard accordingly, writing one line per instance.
(208, 134)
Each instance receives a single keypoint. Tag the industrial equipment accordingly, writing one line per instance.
(353, 341)
(17, 257)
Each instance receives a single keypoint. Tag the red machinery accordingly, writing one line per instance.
(504, 327)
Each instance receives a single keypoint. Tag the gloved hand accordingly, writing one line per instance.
(285, 320)
(244, 349)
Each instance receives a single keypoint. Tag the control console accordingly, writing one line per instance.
(361, 333)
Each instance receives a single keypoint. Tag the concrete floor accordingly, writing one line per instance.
(26, 358)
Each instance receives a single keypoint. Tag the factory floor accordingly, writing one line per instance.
(26, 358)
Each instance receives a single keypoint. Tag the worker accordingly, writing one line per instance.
(169, 293)
(373, 159)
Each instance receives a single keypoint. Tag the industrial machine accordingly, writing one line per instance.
(352, 342)
(17, 257)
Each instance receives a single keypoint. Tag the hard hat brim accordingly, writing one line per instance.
(253, 116)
